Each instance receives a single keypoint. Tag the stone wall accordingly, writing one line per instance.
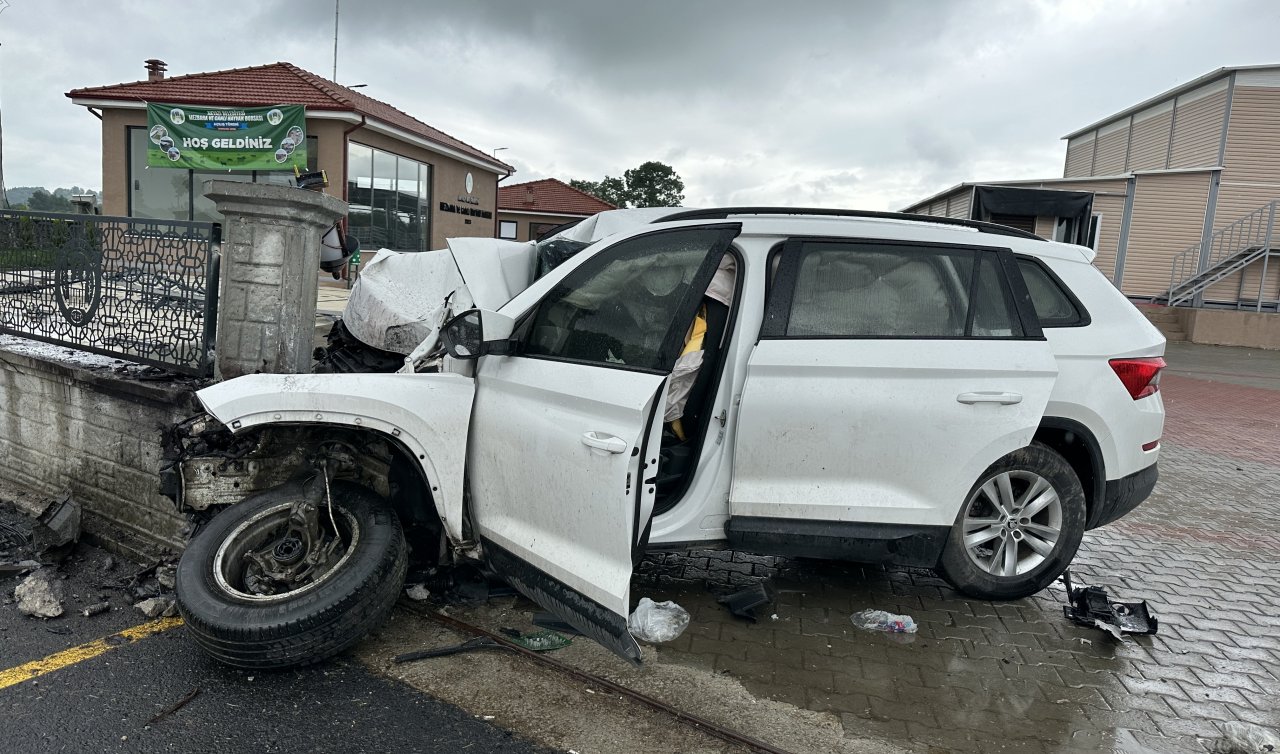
(68, 420)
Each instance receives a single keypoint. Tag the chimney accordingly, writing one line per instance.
(155, 69)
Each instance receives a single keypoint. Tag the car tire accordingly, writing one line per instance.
(299, 626)
(1029, 503)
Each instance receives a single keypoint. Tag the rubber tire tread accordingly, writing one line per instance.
(959, 571)
(318, 624)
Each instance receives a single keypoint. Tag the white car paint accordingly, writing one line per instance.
(429, 413)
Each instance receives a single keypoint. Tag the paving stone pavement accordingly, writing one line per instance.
(1204, 551)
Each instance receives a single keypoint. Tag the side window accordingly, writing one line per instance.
(631, 305)
(879, 290)
(1054, 306)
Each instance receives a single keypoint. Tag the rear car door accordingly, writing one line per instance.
(887, 377)
(566, 428)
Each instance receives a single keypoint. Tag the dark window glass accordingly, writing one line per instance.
(869, 291)
(360, 194)
(993, 311)
(1054, 307)
(156, 193)
(621, 307)
(880, 291)
(537, 229)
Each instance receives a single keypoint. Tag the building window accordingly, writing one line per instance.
(507, 229)
(389, 199)
(537, 229)
(177, 194)
(1095, 224)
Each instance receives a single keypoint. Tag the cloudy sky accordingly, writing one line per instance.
(820, 103)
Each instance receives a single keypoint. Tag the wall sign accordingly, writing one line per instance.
(246, 138)
(468, 211)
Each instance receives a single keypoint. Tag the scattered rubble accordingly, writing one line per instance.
(1090, 606)
(418, 593)
(657, 622)
(39, 596)
(882, 620)
(166, 576)
(156, 607)
(96, 609)
(58, 525)
(743, 604)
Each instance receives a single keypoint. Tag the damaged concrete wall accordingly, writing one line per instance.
(67, 421)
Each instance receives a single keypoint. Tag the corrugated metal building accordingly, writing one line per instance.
(1185, 189)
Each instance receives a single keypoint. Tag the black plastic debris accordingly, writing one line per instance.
(470, 645)
(1091, 606)
(553, 622)
(743, 604)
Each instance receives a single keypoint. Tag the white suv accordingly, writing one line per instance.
(856, 385)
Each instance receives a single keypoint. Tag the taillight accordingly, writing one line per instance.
(1141, 377)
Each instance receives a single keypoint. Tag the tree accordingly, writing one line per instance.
(43, 201)
(653, 184)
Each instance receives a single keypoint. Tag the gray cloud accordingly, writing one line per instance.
(824, 102)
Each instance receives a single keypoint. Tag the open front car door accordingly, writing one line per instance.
(568, 423)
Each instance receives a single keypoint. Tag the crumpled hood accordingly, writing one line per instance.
(400, 298)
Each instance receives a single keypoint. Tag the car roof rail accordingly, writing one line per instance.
(725, 212)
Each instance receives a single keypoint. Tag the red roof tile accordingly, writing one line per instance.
(549, 195)
(273, 84)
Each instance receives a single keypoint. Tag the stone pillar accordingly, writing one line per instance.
(269, 274)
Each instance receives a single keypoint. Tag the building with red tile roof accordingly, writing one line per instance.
(409, 184)
(526, 210)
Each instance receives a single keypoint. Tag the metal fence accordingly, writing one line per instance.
(142, 290)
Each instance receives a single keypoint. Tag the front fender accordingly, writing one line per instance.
(429, 413)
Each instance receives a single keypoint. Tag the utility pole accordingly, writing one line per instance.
(335, 39)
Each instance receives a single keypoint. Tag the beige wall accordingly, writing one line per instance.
(1168, 217)
(1149, 146)
(115, 158)
(1232, 328)
(524, 220)
(1197, 129)
(448, 174)
(1079, 156)
(1113, 142)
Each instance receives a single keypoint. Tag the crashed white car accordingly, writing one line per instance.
(865, 386)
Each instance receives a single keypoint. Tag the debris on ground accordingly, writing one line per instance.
(96, 608)
(156, 607)
(538, 641)
(552, 621)
(470, 645)
(38, 596)
(166, 576)
(1245, 738)
(418, 593)
(58, 525)
(743, 604)
(1091, 606)
(657, 622)
(18, 569)
(172, 708)
(883, 620)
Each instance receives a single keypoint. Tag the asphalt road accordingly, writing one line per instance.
(107, 702)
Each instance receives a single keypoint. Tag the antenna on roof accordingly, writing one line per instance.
(335, 39)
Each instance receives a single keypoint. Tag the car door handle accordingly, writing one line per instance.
(1005, 399)
(604, 442)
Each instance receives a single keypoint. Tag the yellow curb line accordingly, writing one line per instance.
(37, 668)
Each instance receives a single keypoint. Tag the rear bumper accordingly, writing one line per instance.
(1123, 495)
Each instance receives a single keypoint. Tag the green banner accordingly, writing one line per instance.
(227, 138)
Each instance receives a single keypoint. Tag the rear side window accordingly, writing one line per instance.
(877, 290)
(1054, 304)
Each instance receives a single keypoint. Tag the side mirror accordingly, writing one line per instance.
(463, 336)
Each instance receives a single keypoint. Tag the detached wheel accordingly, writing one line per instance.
(1019, 527)
(254, 594)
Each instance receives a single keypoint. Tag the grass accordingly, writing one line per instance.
(27, 259)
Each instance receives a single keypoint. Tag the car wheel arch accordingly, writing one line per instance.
(1075, 442)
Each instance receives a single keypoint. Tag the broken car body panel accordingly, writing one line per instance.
(428, 413)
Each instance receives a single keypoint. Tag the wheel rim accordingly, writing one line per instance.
(1012, 523)
(238, 573)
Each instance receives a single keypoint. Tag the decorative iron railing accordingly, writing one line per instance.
(142, 290)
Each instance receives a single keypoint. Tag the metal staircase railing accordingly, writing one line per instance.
(1231, 249)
